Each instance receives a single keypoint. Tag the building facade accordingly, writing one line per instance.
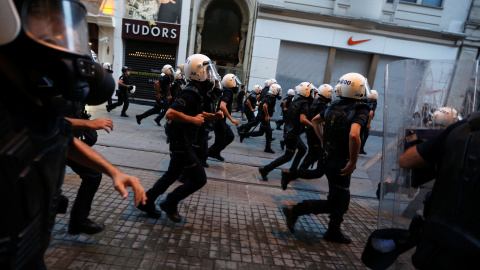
(290, 40)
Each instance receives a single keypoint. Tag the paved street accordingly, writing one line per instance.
(234, 222)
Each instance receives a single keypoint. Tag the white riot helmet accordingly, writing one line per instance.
(275, 89)
(108, 67)
(352, 85)
(257, 89)
(178, 75)
(200, 68)
(373, 94)
(304, 89)
(445, 116)
(291, 92)
(181, 68)
(230, 81)
(325, 90)
(269, 82)
(168, 70)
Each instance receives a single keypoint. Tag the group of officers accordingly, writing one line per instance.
(37, 139)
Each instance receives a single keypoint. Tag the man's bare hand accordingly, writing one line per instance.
(102, 123)
(349, 168)
(219, 115)
(122, 181)
(267, 118)
(235, 121)
(198, 120)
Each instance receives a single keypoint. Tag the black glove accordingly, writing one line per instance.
(130, 87)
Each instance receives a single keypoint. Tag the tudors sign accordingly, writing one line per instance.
(160, 32)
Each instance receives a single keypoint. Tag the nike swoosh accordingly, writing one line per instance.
(353, 42)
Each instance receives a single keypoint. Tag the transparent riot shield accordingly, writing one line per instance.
(414, 91)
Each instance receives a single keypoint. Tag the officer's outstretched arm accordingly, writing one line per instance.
(95, 124)
(86, 156)
(354, 147)
(304, 120)
(180, 117)
(411, 159)
(223, 107)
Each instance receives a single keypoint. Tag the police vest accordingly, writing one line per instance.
(183, 133)
(253, 101)
(451, 232)
(338, 121)
(315, 108)
(292, 122)
(229, 105)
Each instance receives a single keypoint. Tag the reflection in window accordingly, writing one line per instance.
(433, 3)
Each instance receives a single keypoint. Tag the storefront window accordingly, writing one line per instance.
(433, 3)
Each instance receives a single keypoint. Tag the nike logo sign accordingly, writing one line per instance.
(353, 42)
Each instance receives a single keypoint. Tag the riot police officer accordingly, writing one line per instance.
(341, 143)
(124, 86)
(371, 101)
(284, 105)
(263, 117)
(185, 116)
(162, 92)
(295, 121)
(251, 103)
(223, 133)
(35, 139)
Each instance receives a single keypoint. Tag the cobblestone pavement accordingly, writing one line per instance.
(234, 222)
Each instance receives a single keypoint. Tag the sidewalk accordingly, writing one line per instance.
(234, 222)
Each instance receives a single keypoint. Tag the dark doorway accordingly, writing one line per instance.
(221, 32)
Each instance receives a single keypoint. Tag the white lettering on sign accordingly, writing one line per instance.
(145, 30)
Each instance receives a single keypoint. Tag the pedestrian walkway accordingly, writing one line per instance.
(234, 222)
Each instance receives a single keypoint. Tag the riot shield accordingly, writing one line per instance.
(414, 90)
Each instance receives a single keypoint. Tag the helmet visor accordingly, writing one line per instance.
(368, 92)
(212, 74)
(238, 82)
(61, 25)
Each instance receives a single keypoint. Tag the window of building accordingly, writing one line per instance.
(433, 3)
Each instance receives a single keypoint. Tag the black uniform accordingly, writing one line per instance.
(122, 96)
(90, 178)
(265, 127)
(181, 137)
(372, 103)
(293, 129)
(223, 133)
(160, 105)
(314, 145)
(201, 145)
(34, 139)
(339, 118)
(252, 98)
(280, 122)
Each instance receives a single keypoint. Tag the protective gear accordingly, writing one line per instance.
(132, 89)
(325, 90)
(269, 82)
(304, 89)
(373, 94)
(352, 85)
(257, 89)
(445, 116)
(125, 69)
(181, 68)
(200, 68)
(178, 75)
(291, 92)
(338, 121)
(275, 89)
(168, 70)
(231, 81)
(292, 121)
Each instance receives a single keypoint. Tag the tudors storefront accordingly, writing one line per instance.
(148, 46)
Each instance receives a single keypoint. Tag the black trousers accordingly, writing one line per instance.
(315, 150)
(338, 198)
(265, 128)
(180, 160)
(163, 110)
(281, 121)
(122, 99)
(364, 133)
(154, 110)
(201, 146)
(249, 114)
(90, 182)
(292, 143)
(223, 136)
